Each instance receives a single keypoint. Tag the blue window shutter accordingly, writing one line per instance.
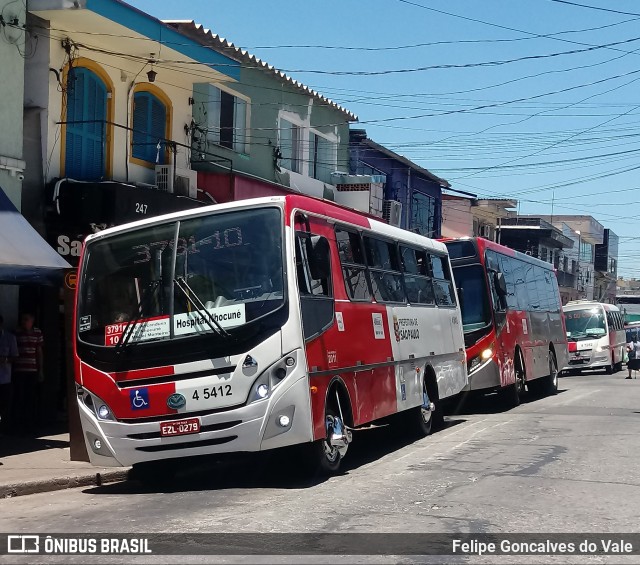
(149, 125)
(140, 114)
(85, 143)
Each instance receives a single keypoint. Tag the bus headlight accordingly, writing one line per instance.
(487, 354)
(98, 406)
(273, 376)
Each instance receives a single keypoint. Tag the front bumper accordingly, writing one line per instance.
(248, 428)
(485, 377)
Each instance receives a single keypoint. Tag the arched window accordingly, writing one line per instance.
(86, 125)
(150, 121)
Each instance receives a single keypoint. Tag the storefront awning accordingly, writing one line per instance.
(25, 258)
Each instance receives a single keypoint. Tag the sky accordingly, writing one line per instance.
(537, 100)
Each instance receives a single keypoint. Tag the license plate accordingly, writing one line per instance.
(180, 427)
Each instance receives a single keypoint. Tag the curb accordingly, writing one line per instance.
(60, 483)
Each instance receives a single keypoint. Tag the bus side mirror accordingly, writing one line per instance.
(319, 257)
(460, 292)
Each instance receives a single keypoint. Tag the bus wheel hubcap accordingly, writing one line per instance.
(427, 407)
(338, 438)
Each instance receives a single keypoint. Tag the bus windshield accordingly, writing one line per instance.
(208, 274)
(476, 312)
(586, 323)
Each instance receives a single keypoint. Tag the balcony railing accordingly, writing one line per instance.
(566, 279)
(171, 145)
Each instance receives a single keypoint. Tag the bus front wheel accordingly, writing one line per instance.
(325, 456)
(512, 394)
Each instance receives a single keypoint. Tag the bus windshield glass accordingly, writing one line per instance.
(209, 274)
(476, 312)
(586, 323)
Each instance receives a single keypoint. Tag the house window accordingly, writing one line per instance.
(423, 215)
(322, 158)
(149, 128)
(86, 125)
(220, 116)
(291, 146)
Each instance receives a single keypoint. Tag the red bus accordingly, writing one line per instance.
(260, 324)
(514, 329)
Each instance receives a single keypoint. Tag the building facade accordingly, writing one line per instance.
(412, 195)
(465, 216)
(12, 166)
(538, 238)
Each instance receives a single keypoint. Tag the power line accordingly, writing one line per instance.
(596, 8)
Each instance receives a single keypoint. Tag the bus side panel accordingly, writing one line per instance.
(359, 339)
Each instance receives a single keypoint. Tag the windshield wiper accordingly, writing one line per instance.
(182, 284)
(130, 327)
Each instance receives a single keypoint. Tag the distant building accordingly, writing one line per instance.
(538, 238)
(596, 281)
(478, 217)
(411, 195)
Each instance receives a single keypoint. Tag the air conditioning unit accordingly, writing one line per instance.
(182, 182)
(392, 212)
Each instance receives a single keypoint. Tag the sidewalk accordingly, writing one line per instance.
(39, 464)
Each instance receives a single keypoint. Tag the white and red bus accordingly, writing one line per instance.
(596, 334)
(512, 318)
(260, 324)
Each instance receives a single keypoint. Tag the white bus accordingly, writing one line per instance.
(596, 336)
(261, 324)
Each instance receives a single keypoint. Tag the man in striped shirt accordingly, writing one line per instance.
(27, 372)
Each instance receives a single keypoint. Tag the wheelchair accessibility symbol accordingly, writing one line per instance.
(139, 398)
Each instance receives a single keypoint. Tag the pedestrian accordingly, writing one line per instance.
(633, 353)
(28, 372)
(8, 354)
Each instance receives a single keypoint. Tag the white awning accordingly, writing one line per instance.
(25, 258)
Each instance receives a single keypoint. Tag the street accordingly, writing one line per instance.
(567, 463)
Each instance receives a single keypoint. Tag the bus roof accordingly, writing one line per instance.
(292, 202)
(481, 244)
(578, 304)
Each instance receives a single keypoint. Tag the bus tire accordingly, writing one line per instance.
(610, 369)
(512, 394)
(321, 458)
(420, 421)
(550, 382)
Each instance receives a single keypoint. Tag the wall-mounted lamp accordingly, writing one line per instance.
(151, 74)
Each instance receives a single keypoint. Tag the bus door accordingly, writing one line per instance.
(501, 289)
(313, 270)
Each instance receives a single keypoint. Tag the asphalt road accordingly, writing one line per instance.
(568, 463)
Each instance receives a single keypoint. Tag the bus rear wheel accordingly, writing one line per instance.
(421, 420)
(547, 385)
(610, 369)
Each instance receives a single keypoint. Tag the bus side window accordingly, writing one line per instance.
(442, 284)
(313, 265)
(506, 267)
(416, 280)
(384, 270)
(353, 265)
(313, 268)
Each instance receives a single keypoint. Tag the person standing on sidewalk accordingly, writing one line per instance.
(8, 354)
(28, 372)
